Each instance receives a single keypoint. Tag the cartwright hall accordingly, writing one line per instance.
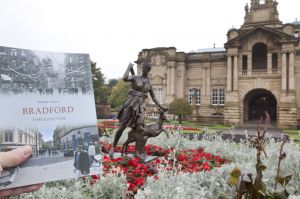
(258, 70)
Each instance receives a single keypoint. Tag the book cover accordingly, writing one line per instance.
(47, 102)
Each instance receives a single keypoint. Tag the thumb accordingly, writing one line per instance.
(14, 157)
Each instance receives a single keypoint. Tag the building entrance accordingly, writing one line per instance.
(258, 101)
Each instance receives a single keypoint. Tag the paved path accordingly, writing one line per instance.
(241, 133)
(276, 133)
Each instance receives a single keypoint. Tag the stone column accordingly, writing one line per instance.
(249, 64)
(173, 81)
(292, 71)
(229, 72)
(283, 72)
(235, 73)
(184, 70)
(203, 89)
(208, 81)
(269, 66)
(168, 81)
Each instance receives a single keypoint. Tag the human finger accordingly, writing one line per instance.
(14, 157)
(20, 190)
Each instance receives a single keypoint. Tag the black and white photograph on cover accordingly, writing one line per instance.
(45, 73)
(47, 102)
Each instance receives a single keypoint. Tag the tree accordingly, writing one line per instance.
(119, 93)
(180, 107)
(98, 76)
(101, 91)
(102, 94)
(112, 83)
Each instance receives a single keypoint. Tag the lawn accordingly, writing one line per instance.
(293, 134)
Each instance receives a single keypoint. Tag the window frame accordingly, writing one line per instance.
(198, 97)
(218, 97)
(8, 136)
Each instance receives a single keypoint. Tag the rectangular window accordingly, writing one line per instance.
(274, 60)
(159, 94)
(221, 97)
(8, 136)
(218, 97)
(245, 62)
(190, 98)
(13, 52)
(20, 138)
(14, 64)
(214, 97)
(197, 96)
(296, 34)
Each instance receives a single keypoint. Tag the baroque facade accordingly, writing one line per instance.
(258, 70)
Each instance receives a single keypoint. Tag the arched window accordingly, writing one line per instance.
(259, 56)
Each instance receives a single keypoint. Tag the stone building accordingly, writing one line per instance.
(258, 70)
(12, 138)
(79, 136)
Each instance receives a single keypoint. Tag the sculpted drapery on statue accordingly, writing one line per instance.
(133, 109)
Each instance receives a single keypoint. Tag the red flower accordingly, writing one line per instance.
(136, 173)
(131, 186)
(205, 166)
(133, 162)
(139, 182)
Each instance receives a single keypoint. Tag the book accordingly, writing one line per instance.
(47, 102)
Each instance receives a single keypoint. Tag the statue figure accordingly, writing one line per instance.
(246, 8)
(133, 109)
(140, 138)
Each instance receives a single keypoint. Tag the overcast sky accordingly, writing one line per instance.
(113, 32)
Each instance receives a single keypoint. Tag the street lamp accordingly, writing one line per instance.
(38, 137)
(195, 93)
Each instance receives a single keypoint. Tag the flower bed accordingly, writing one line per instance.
(187, 161)
(179, 127)
(169, 181)
(109, 124)
(114, 124)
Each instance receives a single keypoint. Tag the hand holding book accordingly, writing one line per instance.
(14, 158)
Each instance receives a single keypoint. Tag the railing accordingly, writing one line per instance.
(259, 72)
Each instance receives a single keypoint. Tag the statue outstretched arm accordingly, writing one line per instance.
(129, 69)
(155, 100)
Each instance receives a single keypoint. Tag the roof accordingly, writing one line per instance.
(280, 34)
(296, 22)
(205, 50)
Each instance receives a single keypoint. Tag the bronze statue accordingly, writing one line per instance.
(140, 138)
(133, 109)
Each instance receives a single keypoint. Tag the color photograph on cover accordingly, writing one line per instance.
(47, 102)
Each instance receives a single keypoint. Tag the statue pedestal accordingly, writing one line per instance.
(147, 159)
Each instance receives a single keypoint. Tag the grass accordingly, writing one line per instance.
(191, 131)
(293, 134)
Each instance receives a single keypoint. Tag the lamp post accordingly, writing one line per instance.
(194, 95)
(38, 141)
